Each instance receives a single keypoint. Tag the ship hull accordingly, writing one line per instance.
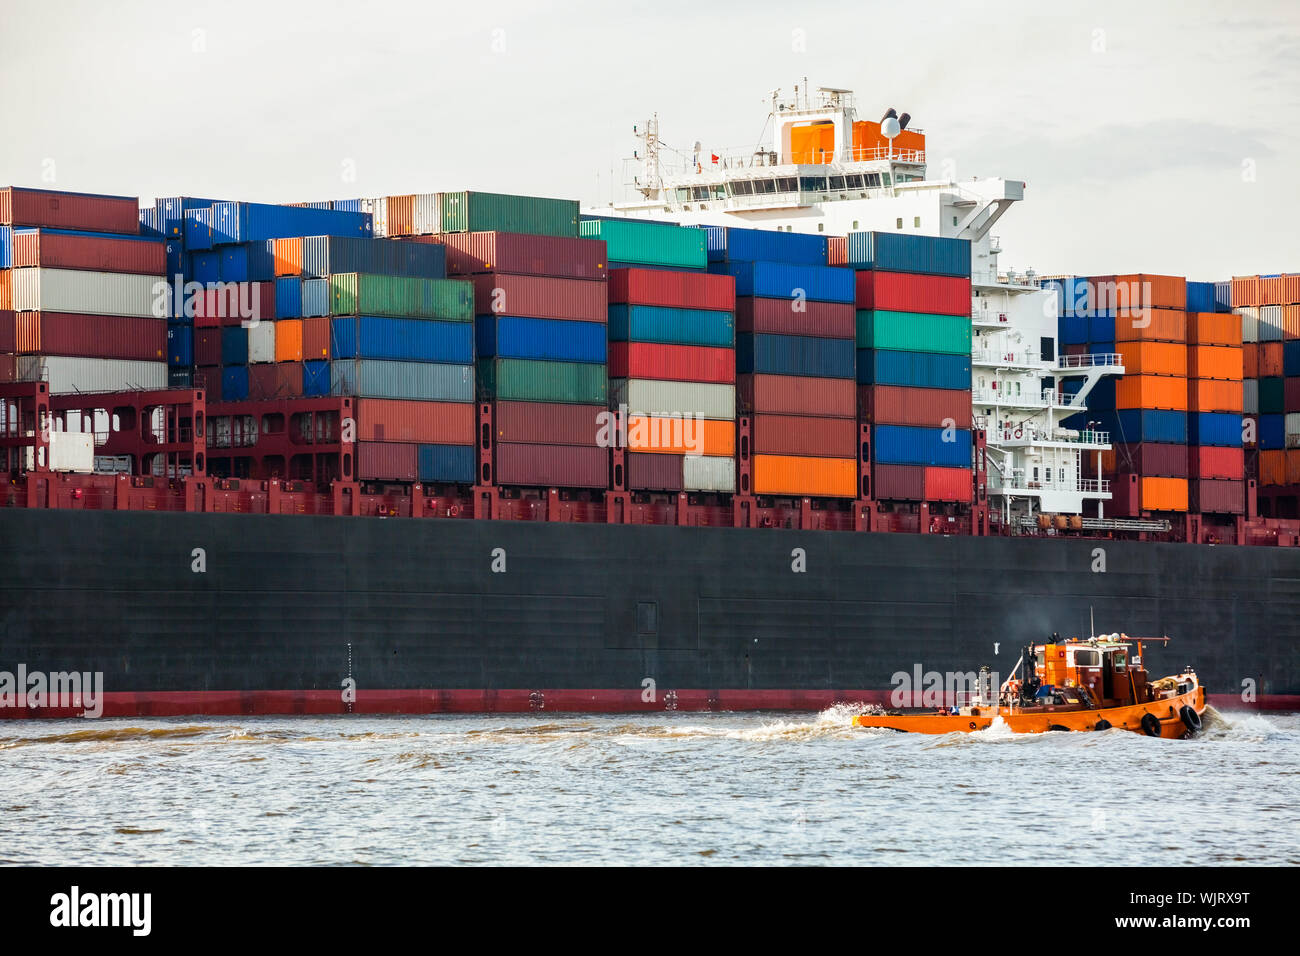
(240, 614)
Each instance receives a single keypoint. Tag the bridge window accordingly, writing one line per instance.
(812, 184)
(837, 182)
(788, 184)
(855, 182)
(916, 222)
(699, 192)
(764, 185)
(873, 180)
(821, 227)
(898, 223)
(1087, 658)
(742, 187)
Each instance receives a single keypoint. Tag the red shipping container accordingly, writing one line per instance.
(6, 289)
(1245, 291)
(831, 320)
(547, 423)
(1290, 394)
(1208, 461)
(92, 336)
(1125, 497)
(518, 253)
(209, 380)
(676, 290)
(541, 297)
(234, 304)
(400, 212)
(8, 368)
(552, 466)
(676, 363)
(906, 292)
(1217, 497)
(1250, 360)
(207, 346)
(948, 484)
(653, 472)
(927, 407)
(392, 461)
(315, 339)
(800, 395)
(263, 383)
(899, 482)
(8, 332)
(1155, 459)
(432, 423)
(1271, 359)
(805, 436)
(837, 250)
(89, 253)
(86, 212)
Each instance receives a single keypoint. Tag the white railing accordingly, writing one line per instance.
(987, 317)
(1032, 435)
(1100, 360)
(990, 357)
(1088, 486)
(998, 396)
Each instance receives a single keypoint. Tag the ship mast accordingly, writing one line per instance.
(649, 138)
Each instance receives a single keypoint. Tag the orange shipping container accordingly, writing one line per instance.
(287, 256)
(288, 340)
(1150, 325)
(1153, 358)
(401, 216)
(790, 475)
(1245, 290)
(1293, 467)
(681, 436)
(1270, 359)
(1214, 361)
(1213, 328)
(1291, 322)
(1272, 291)
(1250, 360)
(1150, 291)
(1273, 467)
(1164, 494)
(437, 423)
(6, 290)
(1212, 395)
(1152, 391)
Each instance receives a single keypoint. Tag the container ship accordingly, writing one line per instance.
(768, 436)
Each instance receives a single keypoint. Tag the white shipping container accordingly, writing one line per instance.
(1270, 323)
(652, 397)
(69, 451)
(1250, 396)
(93, 293)
(91, 375)
(428, 214)
(1293, 430)
(261, 342)
(708, 473)
(1249, 323)
(378, 209)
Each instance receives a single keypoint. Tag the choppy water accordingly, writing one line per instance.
(662, 789)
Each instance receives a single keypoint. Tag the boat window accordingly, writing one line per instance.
(720, 192)
(1087, 658)
(812, 184)
(788, 184)
(765, 185)
(837, 182)
(916, 222)
(898, 223)
(683, 194)
(855, 182)
(742, 187)
(1121, 660)
(700, 192)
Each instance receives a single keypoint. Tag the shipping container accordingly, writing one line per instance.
(1153, 358)
(1273, 467)
(234, 346)
(55, 249)
(180, 345)
(288, 298)
(1146, 458)
(54, 209)
(1151, 325)
(832, 320)
(1291, 359)
(391, 461)
(1217, 497)
(171, 213)
(1290, 394)
(948, 484)
(779, 280)
(315, 378)
(261, 342)
(399, 216)
(1142, 425)
(286, 256)
(324, 256)
(903, 292)
(708, 473)
(269, 382)
(650, 323)
(234, 304)
(316, 335)
(73, 374)
(664, 398)
(556, 340)
(686, 363)
(1214, 428)
(930, 407)
(8, 332)
(518, 253)
(1207, 461)
(198, 229)
(1101, 328)
(248, 222)
(1164, 494)
(540, 297)
(315, 298)
(1200, 297)
(798, 395)
(550, 423)
(234, 383)
(246, 262)
(676, 290)
(1272, 395)
(749, 245)
(402, 340)
(447, 463)
(94, 293)
(914, 369)
(533, 381)
(1250, 360)
(497, 212)
(654, 472)
(288, 340)
(91, 336)
(1070, 329)
(207, 346)
(899, 482)
(1213, 361)
(899, 252)
(680, 435)
(1270, 323)
(552, 466)
(649, 243)
(1212, 395)
(1291, 427)
(415, 381)
(914, 332)
(1249, 324)
(354, 293)
(1223, 296)
(837, 251)
(1152, 391)
(817, 477)
(6, 290)
(1073, 295)
(1144, 291)
(437, 423)
(1272, 359)
(205, 267)
(912, 445)
(804, 435)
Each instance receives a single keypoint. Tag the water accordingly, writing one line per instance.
(663, 789)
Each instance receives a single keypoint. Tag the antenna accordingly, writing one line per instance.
(1092, 626)
(650, 137)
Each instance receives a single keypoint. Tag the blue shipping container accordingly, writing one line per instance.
(288, 298)
(180, 345)
(447, 463)
(315, 298)
(1101, 328)
(1291, 358)
(914, 369)
(413, 381)
(315, 378)
(1072, 329)
(175, 259)
(805, 355)
(1271, 432)
(1072, 295)
(402, 340)
(900, 252)
(653, 323)
(234, 346)
(737, 244)
(778, 280)
(552, 340)
(234, 383)
(248, 221)
(247, 262)
(149, 223)
(205, 267)
(346, 205)
(908, 445)
(172, 210)
(6, 247)
(333, 255)
(1131, 425)
(198, 229)
(1200, 297)
(1214, 428)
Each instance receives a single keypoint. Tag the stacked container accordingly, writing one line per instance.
(913, 330)
(1215, 401)
(1269, 310)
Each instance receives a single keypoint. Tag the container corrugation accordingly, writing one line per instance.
(540, 297)
(948, 484)
(427, 210)
(555, 340)
(1270, 323)
(180, 345)
(1272, 359)
(1152, 391)
(286, 256)
(905, 292)
(65, 210)
(549, 423)
(687, 363)
(6, 289)
(288, 340)
(1153, 358)
(205, 267)
(680, 435)
(899, 252)
(1291, 322)
(899, 482)
(736, 243)
(1140, 291)
(437, 423)
(402, 340)
(91, 253)
(1207, 461)
(1200, 296)
(315, 298)
(498, 212)
(316, 335)
(92, 336)
(832, 320)
(315, 378)
(400, 216)
(1250, 396)
(327, 255)
(417, 381)
(1139, 425)
(1150, 325)
(95, 293)
(234, 346)
(552, 466)
(401, 296)
(914, 369)
(248, 222)
(247, 262)
(650, 323)
(232, 304)
(1291, 426)
(795, 355)
(1250, 360)
(71, 374)
(1273, 467)
(1212, 395)
(1147, 458)
(837, 251)
(171, 213)
(261, 342)
(914, 331)
(654, 472)
(1214, 428)
(1291, 359)
(1223, 296)
(1217, 497)
(235, 383)
(1213, 328)
(378, 210)
(780, 280)
(8, 331)
(805, 435)
(708, 473)
(798, 395)
(677, 290)
(1272, 395)
(912, 445)
(6, 247)
(928, 407)
(649, 243)
(207, 346)
(1164, 494)
(794, 475)
(198, 229)
(178, 378)
(288, 298)
(1211, 361)
(394, 461)
(516, 253)
(665, 398)
(1249, 323)
(532, 381)
(447, 463)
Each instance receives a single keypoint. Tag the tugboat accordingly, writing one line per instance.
(1096, 683)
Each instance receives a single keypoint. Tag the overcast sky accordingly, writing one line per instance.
(1154, 136)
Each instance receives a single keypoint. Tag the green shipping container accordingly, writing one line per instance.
(525, 380)
(650, 243)
(914, 332)
(496, 212)
(353, 293)
(1272, 396)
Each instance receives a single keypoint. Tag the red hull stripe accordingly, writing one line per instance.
(247, 703)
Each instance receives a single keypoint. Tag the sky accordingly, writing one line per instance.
(1154, 136)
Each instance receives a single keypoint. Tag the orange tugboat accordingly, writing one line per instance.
(1096, 683)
